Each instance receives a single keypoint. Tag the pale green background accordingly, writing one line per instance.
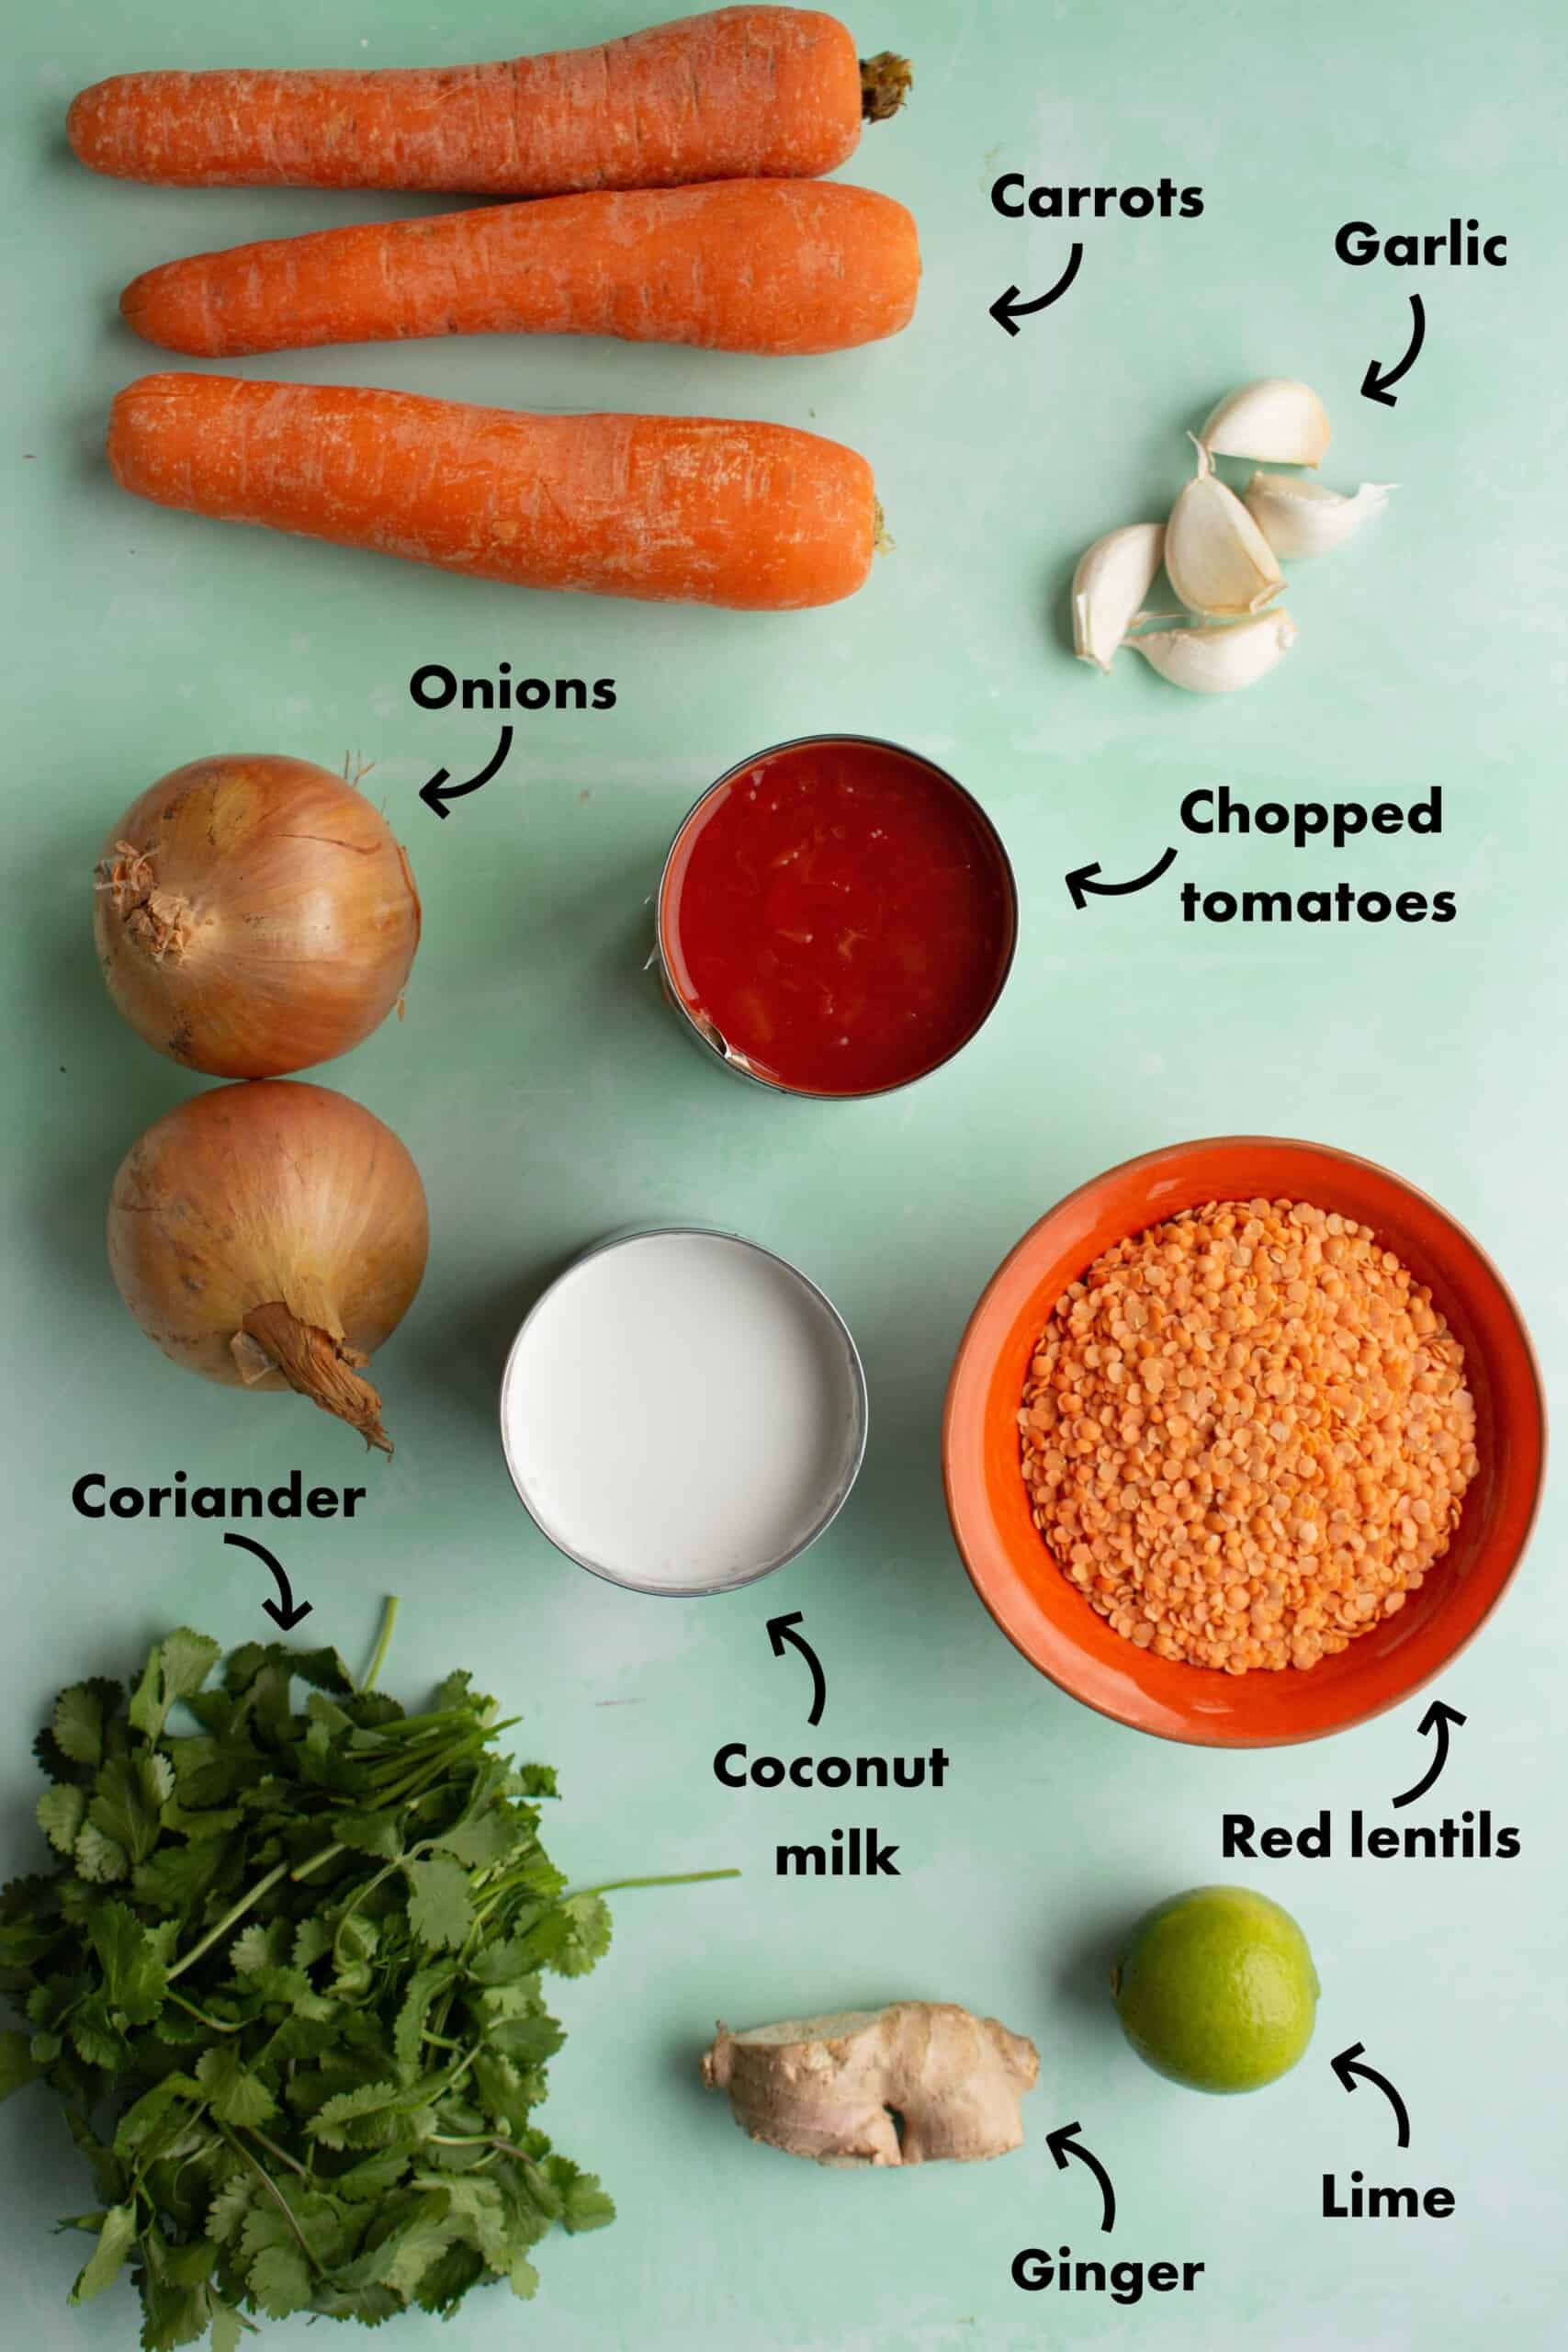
(548, 1098)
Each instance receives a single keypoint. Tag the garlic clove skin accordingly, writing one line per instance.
(1298, 517)
(1221, 660)
(1113, 579)
(1218, 560)
(1275, 421)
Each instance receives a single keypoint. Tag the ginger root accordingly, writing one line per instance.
(905, 2085)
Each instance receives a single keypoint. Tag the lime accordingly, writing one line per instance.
(1216, 1989)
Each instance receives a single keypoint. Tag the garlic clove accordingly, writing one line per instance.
(1219, 659)
(1218, 560)
(1275, 418)
(1111, 582)
(1300, 517)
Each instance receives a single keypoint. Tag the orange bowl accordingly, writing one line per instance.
(1046, 1617)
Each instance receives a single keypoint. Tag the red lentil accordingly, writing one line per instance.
(1247, 1435)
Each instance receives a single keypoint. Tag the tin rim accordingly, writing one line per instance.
(719, 1052)
(838, 1496)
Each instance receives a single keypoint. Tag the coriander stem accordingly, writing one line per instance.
(262, 1886)
(389, 1619)
(216, 2024)
(237, 1911)
(267, 2179)
(680, 1878)
(274, 2150)
(303, 1870)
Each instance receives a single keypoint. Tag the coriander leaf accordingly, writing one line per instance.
(448, 2279)
(115, 2241)
(129, 1800)
(94, 2031)
(499, 2089)
(372, 2178)
(326, 1669)
(490, 1836)
(267, 2226)
(243, 1666)
(259, 1946)
(424, 2234)
(174, 2027)
(174, 2315)
(237, 2095)
(191, 2265)
(523, 2279)
(176, 1877)
(369, 2305)
(98, 1858)
(369, 1833)
(188, 1660)
(407, 2045)
(227, 2327)
(16, 2066)
(589, 1917)
(536, 1780)
(82, 1715)
(527, 2041)
(134, 1977)
(291, 1989)
(52, 2000)
(176, 1669)
(203, 1824)
(280, 2280)
(475, 2211)
(60, 1813)
(441, 1909)
(139, 2127)
(584, 2205)
(230, 2207)
(510, 1960)
(368, 2117)
(311, 1939)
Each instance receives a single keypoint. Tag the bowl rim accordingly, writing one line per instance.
(968, 1380)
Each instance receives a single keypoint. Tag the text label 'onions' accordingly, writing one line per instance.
(254, 916)
(272, 1236)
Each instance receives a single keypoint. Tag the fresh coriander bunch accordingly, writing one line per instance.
(285, 1982)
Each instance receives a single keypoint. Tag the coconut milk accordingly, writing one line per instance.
(683, 1411)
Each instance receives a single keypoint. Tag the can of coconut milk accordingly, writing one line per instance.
(683, 1411)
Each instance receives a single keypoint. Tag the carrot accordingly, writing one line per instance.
(744, 93)
(759, 516)
(769, 265)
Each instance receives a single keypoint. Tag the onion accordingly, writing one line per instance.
(272, 1236)
(254, 916)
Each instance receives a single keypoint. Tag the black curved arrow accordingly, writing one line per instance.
(1064, 2143)
(1081, 882)
(782, 1630)
(1437, 1719)
(1348, 2066)
(1376, 381)
(292, 1612)
(438, 792)
(1007, 310)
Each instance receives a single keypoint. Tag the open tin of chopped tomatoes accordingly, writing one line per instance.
(836, 918)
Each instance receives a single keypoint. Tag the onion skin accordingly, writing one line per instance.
(253, 915)
(271, 1236)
